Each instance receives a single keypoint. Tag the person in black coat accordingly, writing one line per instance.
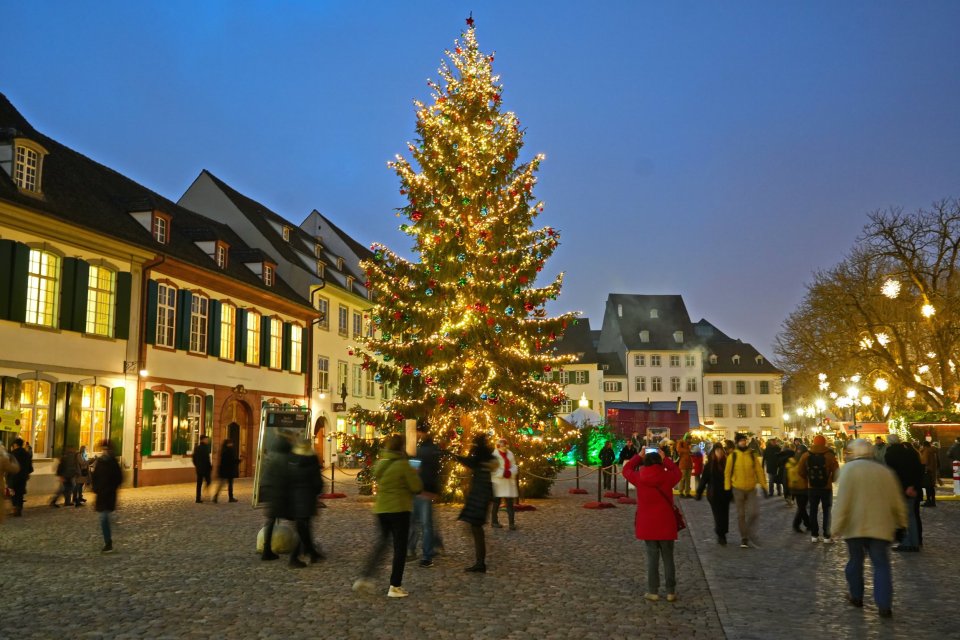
(305, 484)
(18, 481)
(477, 505)
(105, 482)
(201, 460)
(771, 464)
(275, 490)
(429, 455)
(227, 469)
(904, 460)
(712, 481)
(607, 458)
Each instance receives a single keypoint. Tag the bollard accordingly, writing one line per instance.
(615, 478)
(956, 477)
(576, 466)
(599, 483)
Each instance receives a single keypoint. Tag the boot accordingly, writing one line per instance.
(478, 567)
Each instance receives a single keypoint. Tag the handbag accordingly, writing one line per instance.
(677, 514)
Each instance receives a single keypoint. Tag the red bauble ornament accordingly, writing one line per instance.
(349, 352)
(547, 368)
(407, 369)
(417, 216)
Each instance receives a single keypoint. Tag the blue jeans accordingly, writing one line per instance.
(880, 559)
(105, 526)
(820, 497)
(422, 521)
(912, 539)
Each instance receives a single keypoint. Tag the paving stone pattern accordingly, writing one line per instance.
(183, 570)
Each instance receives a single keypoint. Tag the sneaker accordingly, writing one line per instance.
(426, 564)
(107, 548)
(744, 544)
(397, 592)
(652, 597)
(363, 584)
(827, 540)
(814, 539)
(671, 597)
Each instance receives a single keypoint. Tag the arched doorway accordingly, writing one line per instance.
(237, 417)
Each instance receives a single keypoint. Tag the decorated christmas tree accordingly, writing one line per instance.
(461, 335)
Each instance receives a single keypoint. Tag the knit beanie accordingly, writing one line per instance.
(819, 440)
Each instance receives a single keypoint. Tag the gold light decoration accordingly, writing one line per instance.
(927, 310)
(891, 288)
(881, 384)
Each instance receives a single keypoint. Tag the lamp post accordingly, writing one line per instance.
(854, 394)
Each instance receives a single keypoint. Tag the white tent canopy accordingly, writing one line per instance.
(583, 417)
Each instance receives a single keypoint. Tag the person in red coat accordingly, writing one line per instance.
(654, 476)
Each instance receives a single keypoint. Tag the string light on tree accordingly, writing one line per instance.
(891, 288)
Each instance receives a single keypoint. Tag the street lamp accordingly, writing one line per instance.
(854, 394)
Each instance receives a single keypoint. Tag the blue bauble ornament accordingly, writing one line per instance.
(508, 311)
(429, 292)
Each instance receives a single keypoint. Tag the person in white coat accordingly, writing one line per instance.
(504, 478)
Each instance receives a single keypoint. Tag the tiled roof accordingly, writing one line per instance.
(85, 193)
(578, 339)
(726, 350)
(633, 313)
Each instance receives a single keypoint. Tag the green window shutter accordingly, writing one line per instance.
(10, 394)
(6, 274)
(179, 445)
(146, 428)
(68, 283)
(213, 324)
(18, 282)
(306, 337)
(208, 415)
(81, 285)
(153, 292)
(117, 398)
(265, 325)
(241, 335)
(183, 319)
(121, 310)
(60, 408)
(287, 344)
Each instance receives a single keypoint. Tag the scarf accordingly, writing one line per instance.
(506, 463)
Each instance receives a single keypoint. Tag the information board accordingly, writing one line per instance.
(276, 423)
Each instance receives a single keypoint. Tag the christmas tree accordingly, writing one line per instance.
(462, 335)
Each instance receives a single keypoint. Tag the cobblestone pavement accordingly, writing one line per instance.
(185, 570)
(788, 587)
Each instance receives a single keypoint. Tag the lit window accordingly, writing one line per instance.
(691, 384)
(655, 361)
(166, 314)
(741, 411)
(640, 383)
(199, 310)
(323, 374)
(675, 360)
(253, 338)
(276, 343)
(161, 423)
(228, 328)
(101, 294)
(93, 416)
(161, 226)
(674, 383)
(26, 169)
(221, 256)
(342, 320)
(639, 360)
(194, 420)
(296, 348)
(43, 288)
(268, 275)
(656, 383)
(286, 234)
(35, 414)
(357, 324)
(765, 411)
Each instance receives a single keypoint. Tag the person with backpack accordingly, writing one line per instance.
(798, 488)
(771, 463)
(742, 475)
(818, 467)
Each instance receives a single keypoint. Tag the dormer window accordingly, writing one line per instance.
(220, 255)
(28, 165)
(619, 310)
(678, 337)
(286, 233)
(321, 267)
(713, 358)
(758, 359)
(644, 336)
(349, 283)
(268, 274)
(654, 314)
(736, 359)
(318, 250)
(339, 264)
(160, 227)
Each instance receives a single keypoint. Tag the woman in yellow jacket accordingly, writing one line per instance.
(743, 473)
(798, 489)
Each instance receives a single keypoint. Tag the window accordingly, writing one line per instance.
(357, 324)
(612, 386)
(764, 387)
(43, 288)
(563, 377)
(296, 348)
(161, 423)
(718, 411)
(268, 275)
(655, 360)
(580, 377)
(644, 336)
(318, 250)
(323, 373)
(228, 328)
(342, 371)
(758, 359)
(101, 297)
(368, 378)
(194, 420)
(736, 359)
(741, 387)
(286, 234)
(674, 360)
(639, 360)
(566, 406)
(160, 228)
(339, 264)
(678, 337)
(675, 383)
(691, 384)
(713, 358)
(199, 317)
(656, 383)
(384, 392)
(252, 356)
(220, 255)
(640, 383)
(691, 360)
(741, 411)
(276, 343)
(654, 314)
(765, 411)
(357, 380)
(323, 306)
(321, 266)
(342, 320)
(349, 285)
(93, 416)
(717, 388)
(35, 414)
(26, 169)
(166, 314)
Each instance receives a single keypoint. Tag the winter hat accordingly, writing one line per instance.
(819, 440)
(739, 437)
(893, 439)
(860, 448)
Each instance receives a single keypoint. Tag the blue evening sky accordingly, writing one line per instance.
(719, 150)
